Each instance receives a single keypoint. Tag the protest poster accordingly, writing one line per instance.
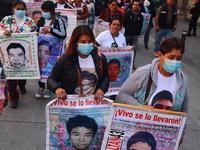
(49, 50)
(2, 95)
(72, 17)
(34, 10)
(101, 26)
(146, 18)
(19, 55)
(76, 123)
(161, 128)
(119, 66)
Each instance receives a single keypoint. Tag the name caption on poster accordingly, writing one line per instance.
(146, 116)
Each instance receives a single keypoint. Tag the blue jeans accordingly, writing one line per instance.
(159, 35)
(146, 35)
(132, 40)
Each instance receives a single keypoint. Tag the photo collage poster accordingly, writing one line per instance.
(19, 55)
(119, 66)
(49, 50)
(156, 129)
(76, 123)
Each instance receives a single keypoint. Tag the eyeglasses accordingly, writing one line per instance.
(114, 44)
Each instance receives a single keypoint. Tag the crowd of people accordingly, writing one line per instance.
(82, 70)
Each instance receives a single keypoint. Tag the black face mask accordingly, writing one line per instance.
(114, 45)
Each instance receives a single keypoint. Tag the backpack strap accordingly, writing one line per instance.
(148, 87)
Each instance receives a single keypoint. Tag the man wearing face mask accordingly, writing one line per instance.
(49, 23)
(163, 73)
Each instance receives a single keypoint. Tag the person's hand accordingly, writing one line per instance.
(181, 141)
(61, 93)
(100, 20)
(157, 28)
(174, 28)
(133, 47)
(99, 93)
(148, 106)
(46, 30)
(7, 33)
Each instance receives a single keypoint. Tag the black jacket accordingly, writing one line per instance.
(163, 17)
(133, 23)
(58, 30)
(64, 74)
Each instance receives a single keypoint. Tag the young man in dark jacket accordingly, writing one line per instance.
(195, 11)
(133, 21)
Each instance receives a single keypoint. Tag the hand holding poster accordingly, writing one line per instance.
(154, 129)
(76, 123)
(119, 66)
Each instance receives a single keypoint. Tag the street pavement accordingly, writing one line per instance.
(25, 127)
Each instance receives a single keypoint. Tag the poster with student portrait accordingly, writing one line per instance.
(34, 10)
(19, 55)
(72, 17)
(49, 50)
(119, 66)
(146, 18)
(76, 123)
(136, 126)
(2, 95)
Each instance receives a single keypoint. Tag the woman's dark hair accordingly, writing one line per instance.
(144, 137)
(110, 1)
(76, 34)
(48, 5)
(116, 18)
(18, 2)
(172, 43)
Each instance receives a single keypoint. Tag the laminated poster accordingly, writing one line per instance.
(135, 126)
(76, 123)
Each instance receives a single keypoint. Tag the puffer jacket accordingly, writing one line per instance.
(64, 73)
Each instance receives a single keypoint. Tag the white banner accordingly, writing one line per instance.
(19, 55)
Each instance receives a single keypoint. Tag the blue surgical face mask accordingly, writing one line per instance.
(171, 65)
(46, 15)
(85, 49)
(20, 13)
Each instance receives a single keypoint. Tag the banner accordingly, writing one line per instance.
(130, 126)
(72, 18)
(19, 55)
(145, 24)
(120, 62)
(2, 95)
(103, 26)
(49, 48)
(76, 123)
(34, 11)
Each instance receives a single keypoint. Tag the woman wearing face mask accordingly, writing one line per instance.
(110, 12)
(81, 56)
(49, 23)
(19, 23)
(163, 73)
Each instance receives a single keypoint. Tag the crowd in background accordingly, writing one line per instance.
(82, 70)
